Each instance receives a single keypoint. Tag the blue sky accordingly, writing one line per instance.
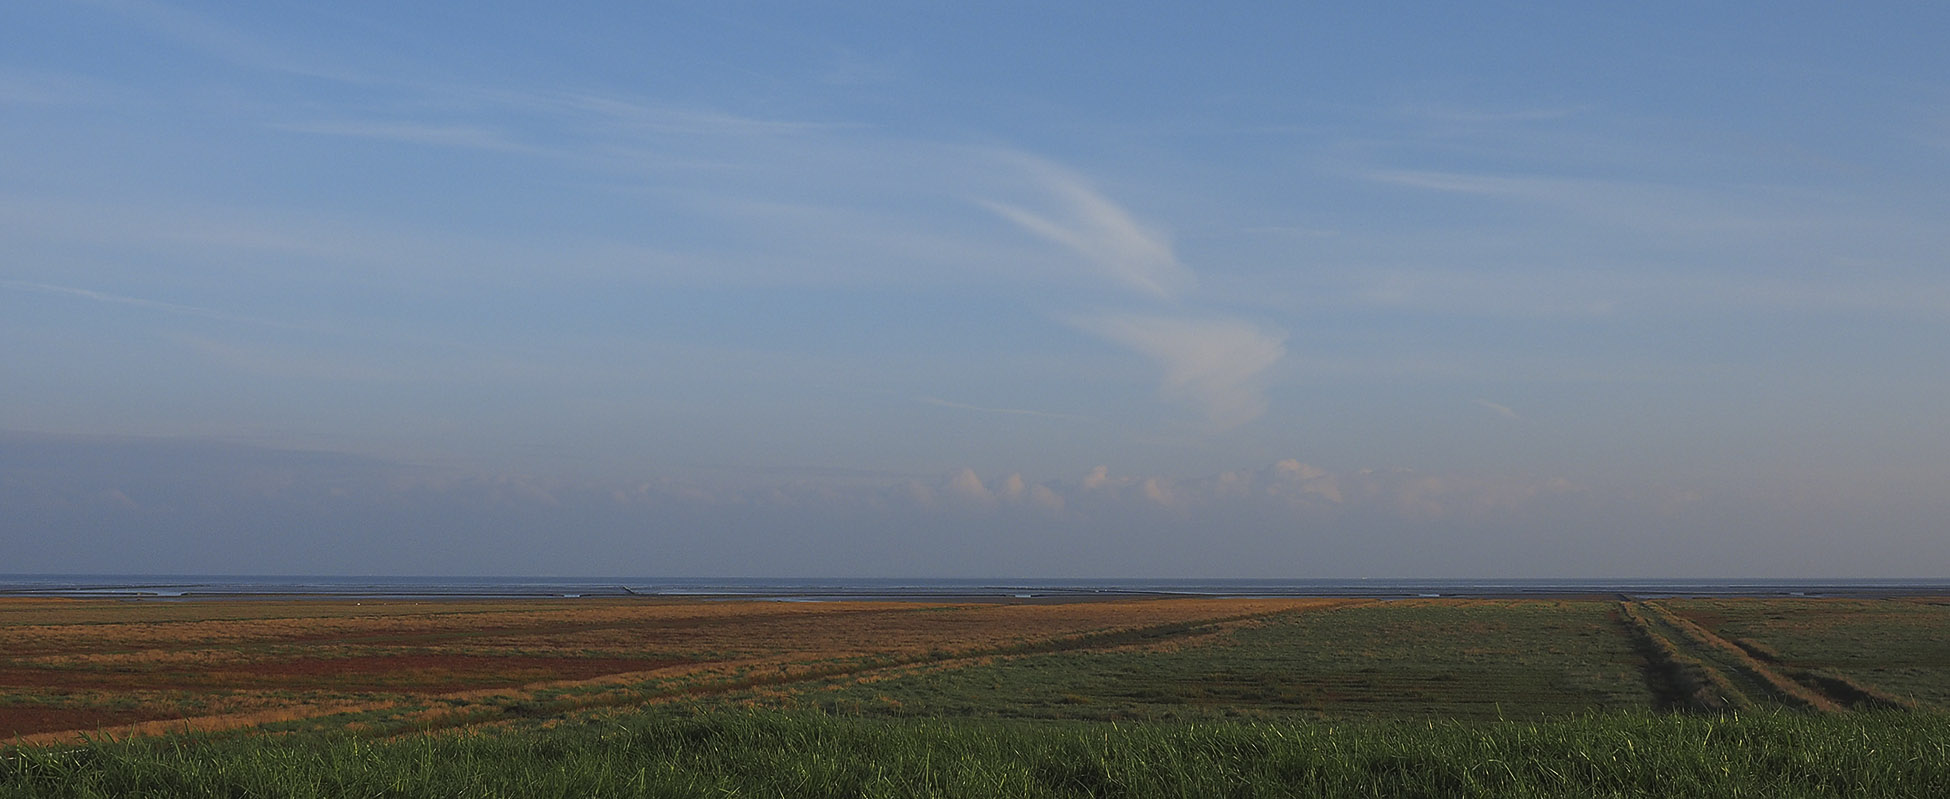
(928, 289)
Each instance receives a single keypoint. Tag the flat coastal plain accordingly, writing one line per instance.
(70, 668)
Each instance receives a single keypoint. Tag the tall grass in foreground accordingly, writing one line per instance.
(729, 753)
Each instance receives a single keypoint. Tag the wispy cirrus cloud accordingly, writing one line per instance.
(111, 299)
(605, 129)
(133, 302)
(1716, 213)
(1210, 361)
(1081, 219)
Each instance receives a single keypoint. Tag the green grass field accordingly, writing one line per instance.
(1757, 698)
(1475, 661)
(803, 754)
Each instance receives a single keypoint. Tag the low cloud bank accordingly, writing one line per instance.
(81, 505)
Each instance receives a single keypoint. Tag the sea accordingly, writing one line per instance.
(207, 587)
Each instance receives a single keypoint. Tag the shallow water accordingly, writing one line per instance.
(817, 589)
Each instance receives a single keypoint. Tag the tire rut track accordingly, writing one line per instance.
(1815, 689)
(1713, 673)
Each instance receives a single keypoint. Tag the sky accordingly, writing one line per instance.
(969, 290)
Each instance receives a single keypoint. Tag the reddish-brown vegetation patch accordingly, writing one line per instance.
(18, 720)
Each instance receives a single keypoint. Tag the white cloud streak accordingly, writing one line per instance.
(112, 299)
(1212, 363)
(133, 302)
(1672, 208)
(1084, 221)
